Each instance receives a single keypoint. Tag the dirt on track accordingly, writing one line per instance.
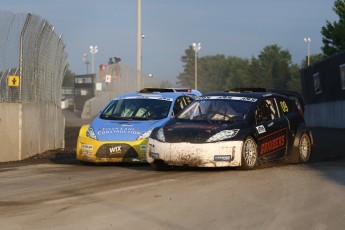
(66, 155)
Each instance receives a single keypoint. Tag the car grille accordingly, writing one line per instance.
(116, 151)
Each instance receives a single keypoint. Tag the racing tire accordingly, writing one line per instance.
(249, 154)
(159, 165)
(303, 153)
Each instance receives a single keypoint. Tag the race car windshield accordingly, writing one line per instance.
(137, 109)
(217, 110)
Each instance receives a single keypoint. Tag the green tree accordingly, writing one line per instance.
(272, 69)
(294, 81)
(68, 80)
(313, 59)
(186, 78)
(213, 73)
(237, 69)
(166, 84)
(255, 78)
(334, 33)
(274, 64)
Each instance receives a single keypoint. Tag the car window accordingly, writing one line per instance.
(180, 103)
(137, 108)
(266, 111)
(188, 100)
(214, 108)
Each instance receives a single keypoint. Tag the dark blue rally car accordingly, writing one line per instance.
(233, 129)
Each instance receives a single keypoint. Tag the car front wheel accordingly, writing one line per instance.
(159, 165)
(249, 154)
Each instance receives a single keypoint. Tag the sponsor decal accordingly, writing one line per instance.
(105, 131)
(143, 148)
(249, 99)
(115, 150)
(261, 129)
(273, 142)
(127, 124)
(86, 149)
(222, 158)
(270, 124)
(146, 97)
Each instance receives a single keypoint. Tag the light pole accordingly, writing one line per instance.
(196, 48)
(86, 61)
(93, 51)
(139, 38)
(308, 41)
(141, 54)
(151, 76)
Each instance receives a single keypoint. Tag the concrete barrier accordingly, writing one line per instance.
(30, 128)
(94, 105)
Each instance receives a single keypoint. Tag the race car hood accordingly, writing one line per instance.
(196, 132)
(122, 130)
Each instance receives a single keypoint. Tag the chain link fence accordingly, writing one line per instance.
(119, 78)
(123, 78)
(32, 59)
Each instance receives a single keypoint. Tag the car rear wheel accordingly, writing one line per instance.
(159, 165)
(304, 148)
(249, 154)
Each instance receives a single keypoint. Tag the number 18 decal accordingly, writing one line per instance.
(284, 106)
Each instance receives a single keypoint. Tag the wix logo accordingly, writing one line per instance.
(114, 150)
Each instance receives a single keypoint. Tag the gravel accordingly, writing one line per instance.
(56, 156)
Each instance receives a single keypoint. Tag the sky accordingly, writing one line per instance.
(239, 28)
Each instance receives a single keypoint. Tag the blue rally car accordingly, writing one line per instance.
(120, 132)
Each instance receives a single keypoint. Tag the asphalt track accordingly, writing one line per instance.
(54, 191)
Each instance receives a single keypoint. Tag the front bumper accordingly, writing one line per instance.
(219, 154)
(90, 150)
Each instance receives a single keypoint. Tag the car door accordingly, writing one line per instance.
(271, 127)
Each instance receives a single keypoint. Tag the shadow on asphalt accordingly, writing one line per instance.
(329, 144)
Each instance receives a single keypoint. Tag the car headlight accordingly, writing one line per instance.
(160, 135)
(91, 133)
(145, 134)
(222, 135)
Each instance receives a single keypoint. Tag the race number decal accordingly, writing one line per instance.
(284, 106)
